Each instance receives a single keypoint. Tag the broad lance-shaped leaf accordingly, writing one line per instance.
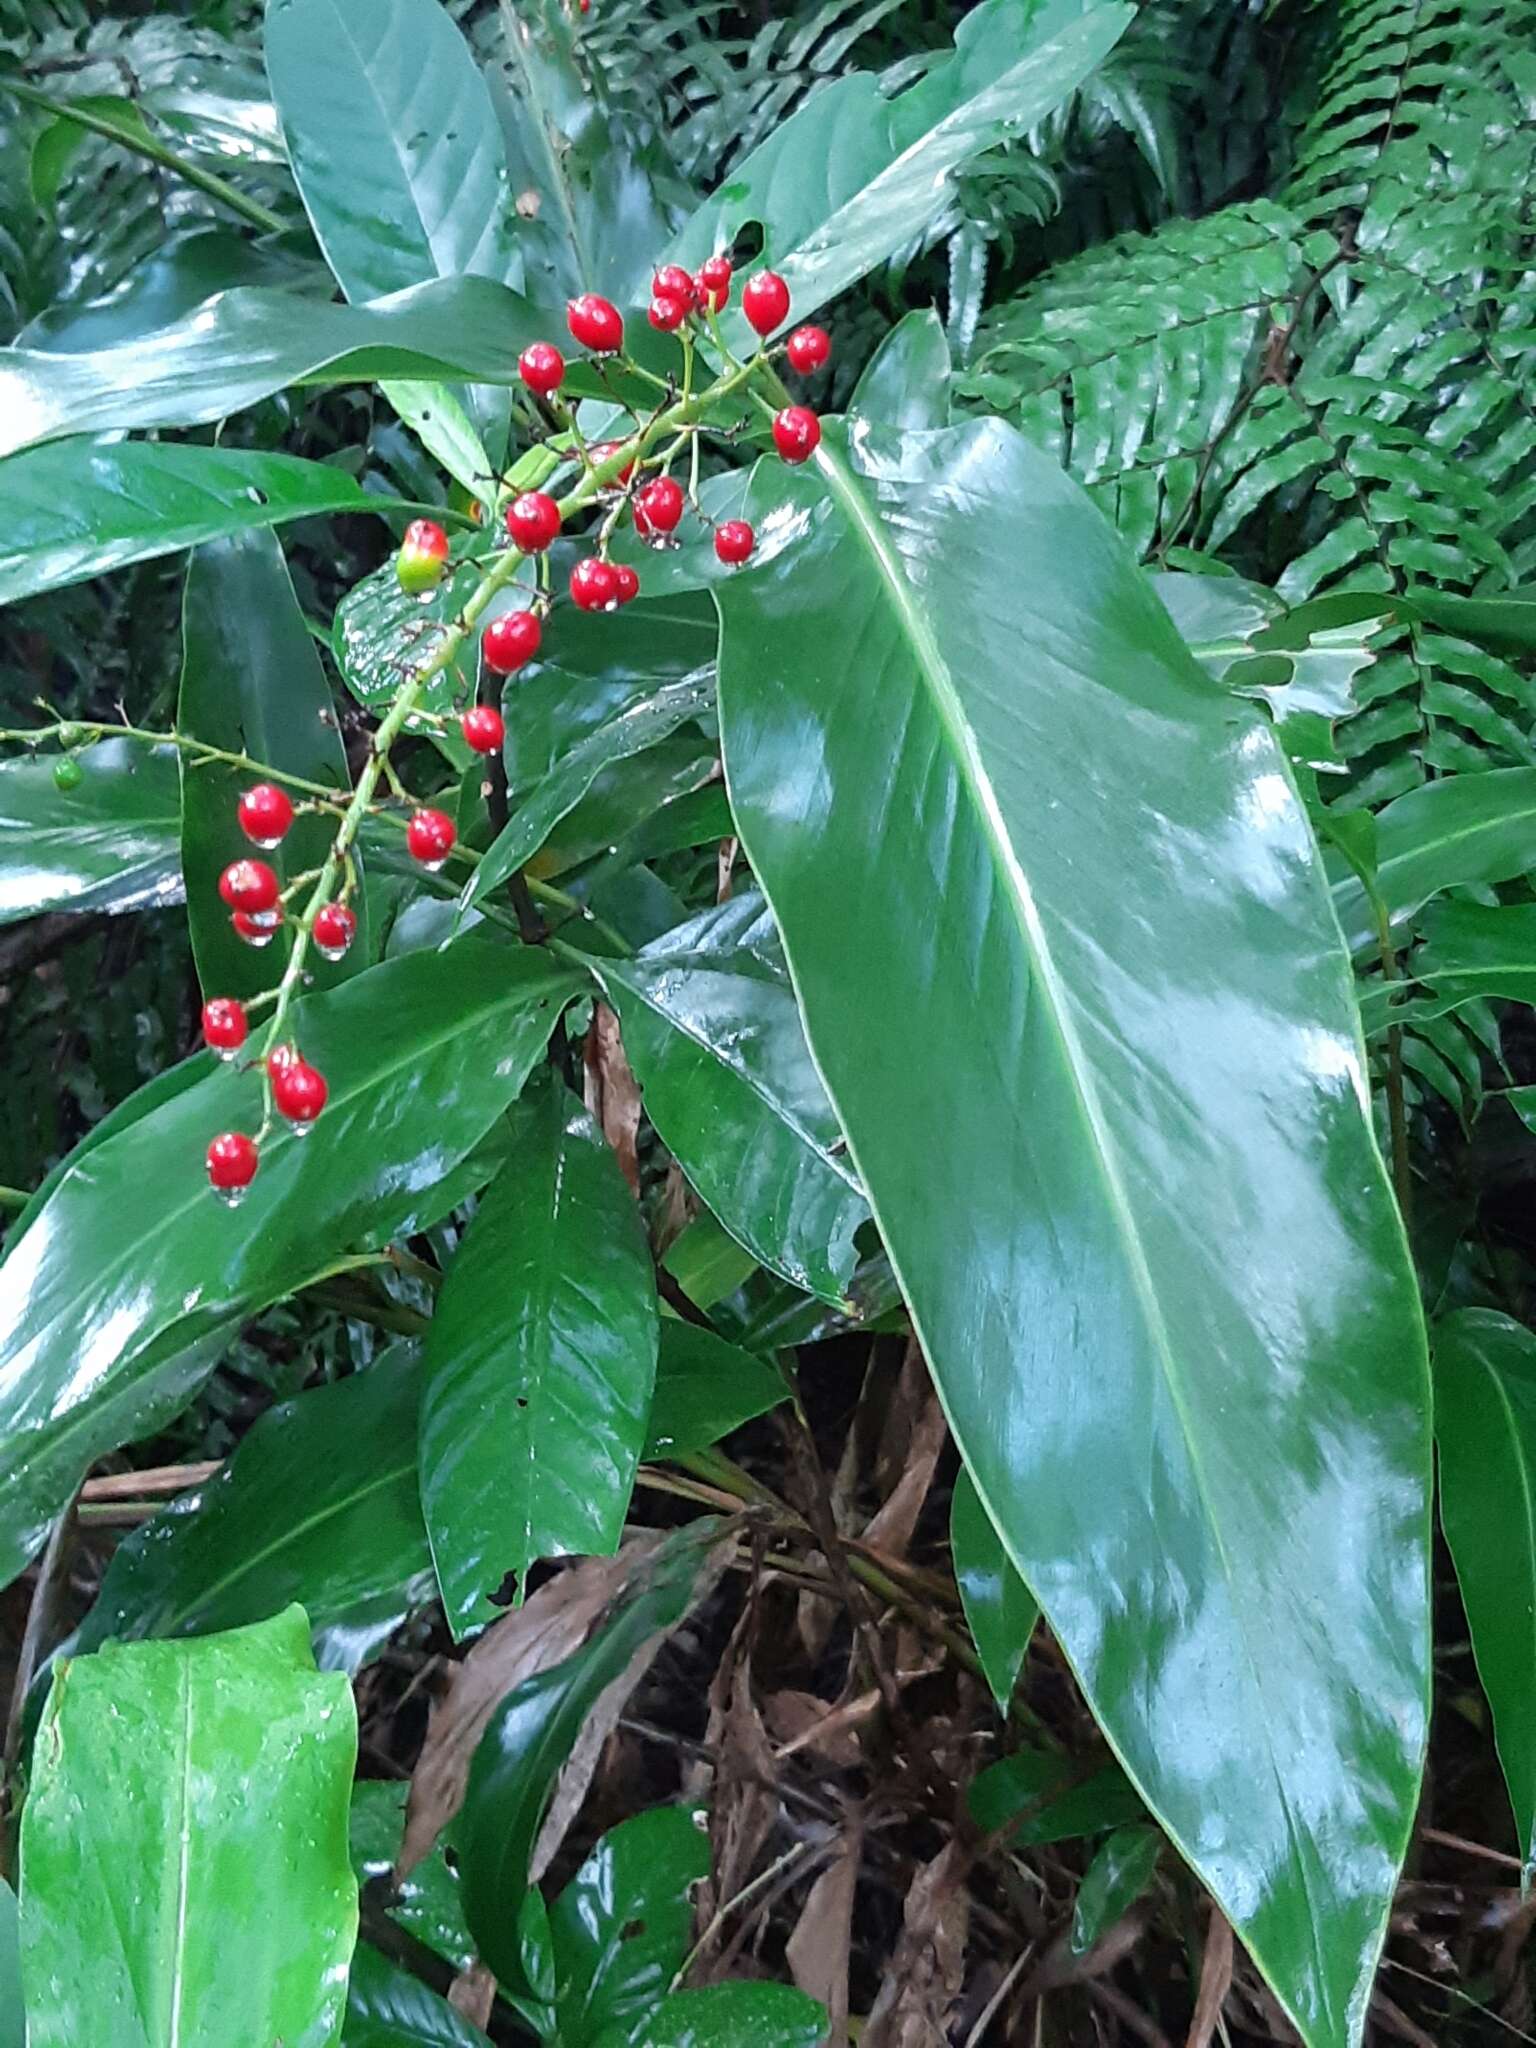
(119, 1295)
(247, 343)
(711, 1029)
(998, 1605)
(318, 1505)
(1104, 1086)
(111, 843)
(383, 97)
(854, 175)
(528, 1740)
(705, 1388)
(643, 723)
(539, 1364)
(1456, 830)
(84, 508)
(1485, 1427)
(251, 682)
(426, 1900)
(175, 1787)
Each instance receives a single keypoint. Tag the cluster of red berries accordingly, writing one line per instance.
(253, 894)
(533, 519)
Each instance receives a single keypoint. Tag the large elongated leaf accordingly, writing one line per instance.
(247, 343)
(1485, 1427)
(141, 1857)
(529, 1738)
(251, 682)
(644, 722)
(1105, 1088)
(705, 1388)
(539, 1364)
(851, 177)
(116, 1299)
(1456, 830)
(711, 1029)
(13, 2029)
(318, 1505)
(392, 139)
(84, 508)
(111, 843)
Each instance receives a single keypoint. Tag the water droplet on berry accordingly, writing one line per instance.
(329, 952)
(230, 1197)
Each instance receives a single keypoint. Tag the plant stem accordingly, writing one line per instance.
(91, 730)
(210, 182)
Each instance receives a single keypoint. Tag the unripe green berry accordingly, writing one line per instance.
(67, 774)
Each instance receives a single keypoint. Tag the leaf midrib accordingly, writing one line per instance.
(1014, 884)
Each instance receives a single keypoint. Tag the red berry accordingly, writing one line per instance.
(734, 541)
(596, 323)
(594, 586)
(533, 520)
(279, 1057)
(765, 301)
(224, 1025)
(232, 1163)
(251, 886)
(603, 451)
(715, 271)
(334, 929)
(299, 1091)
(658, 506)
(796, 433)
(253, 933)
(713, 297)
(541, 367)
(265, 814)
(628, 581)
(483, 728)
(667, 314)
(430, 836)
(423, 556)
(673, 282)
(508, 642)
(808, 348)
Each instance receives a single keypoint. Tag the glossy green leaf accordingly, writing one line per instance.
(251, 682)
(629, 794)
(392, 139)
(13, 2028)
(117, 1298)
(61, 140)
(620, 1929)
(318, 1505)
(853, 176)
(388, 2008)
(175, 1786)
(109, 844)
(725, 2016)
(426, 1902)
(247, 343)
(1476, 950)
(186, 270)
(1485, 1428)
(905, 383)
(705, 1388)
(378, 626)
(1040, 1796)
(713, 1034)
(1132, 1189)
(1456, 830)
(1112, 1883)
(644, 721)
(84, 508)
(530, 1735)
(539, 1364)
(1000, 1608)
